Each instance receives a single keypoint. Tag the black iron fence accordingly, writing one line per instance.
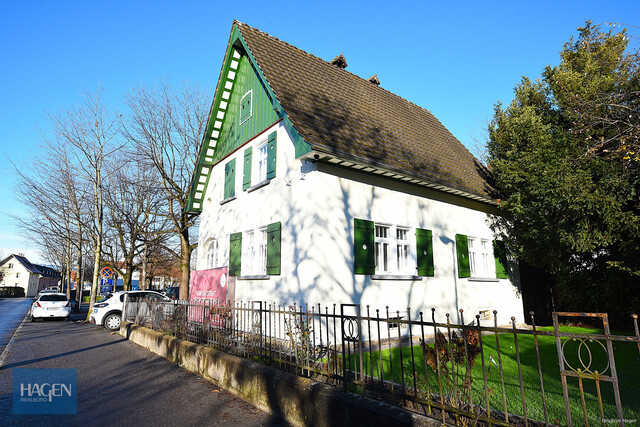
(458, 371)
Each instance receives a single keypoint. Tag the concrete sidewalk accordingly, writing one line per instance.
(119, 383)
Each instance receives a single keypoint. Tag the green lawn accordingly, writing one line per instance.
(627, 358)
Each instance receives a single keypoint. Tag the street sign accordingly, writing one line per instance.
(106, 272)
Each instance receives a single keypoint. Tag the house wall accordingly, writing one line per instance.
(317, 204)
(26, 280)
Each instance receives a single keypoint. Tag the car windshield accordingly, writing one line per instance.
(53, 298)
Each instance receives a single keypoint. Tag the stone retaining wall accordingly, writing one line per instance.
(301, 401)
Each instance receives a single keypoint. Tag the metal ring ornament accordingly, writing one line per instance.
(352, 330)
(257, 318)
(586, 367)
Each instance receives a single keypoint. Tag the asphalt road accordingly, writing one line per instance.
(119, 383)
(12, 311)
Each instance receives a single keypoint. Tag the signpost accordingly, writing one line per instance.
(106, 273)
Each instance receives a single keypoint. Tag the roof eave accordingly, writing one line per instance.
(367, 166)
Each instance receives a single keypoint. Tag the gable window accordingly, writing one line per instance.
(389, 250)
(17, 275)
(246, 106)
(212, 253)
(10, 265)
(255, 252)
(480, 257)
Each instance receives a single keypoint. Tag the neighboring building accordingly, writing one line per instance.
(314, 185)
(19, 272)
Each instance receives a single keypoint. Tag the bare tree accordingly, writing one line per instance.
(91, 133)
(167, 128)
(46, 187)
(131, 194)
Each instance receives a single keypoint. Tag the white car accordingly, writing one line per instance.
(51, 305)
(108, 312)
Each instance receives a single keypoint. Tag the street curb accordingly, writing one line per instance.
(7, 349)
(301, 401)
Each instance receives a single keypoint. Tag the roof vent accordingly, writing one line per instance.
(339, 61)
(374, 79)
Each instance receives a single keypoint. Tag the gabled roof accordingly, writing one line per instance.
(338, 117)
(33, 268)
(24, 261)
(342, 114)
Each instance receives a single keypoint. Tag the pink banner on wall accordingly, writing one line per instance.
(209, 285)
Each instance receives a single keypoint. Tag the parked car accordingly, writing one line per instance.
(108, 312)
(172, 292)
(45, 291)
(48, 305)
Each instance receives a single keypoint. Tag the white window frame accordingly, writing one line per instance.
(383, 248)
(254, 251)
(211, 256)
(394, 249)
(481, 260)
(259, 172)
(404, 261)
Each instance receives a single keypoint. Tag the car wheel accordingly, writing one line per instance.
(33, 319)
(112, 322)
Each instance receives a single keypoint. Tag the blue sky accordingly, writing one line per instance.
(456, 59)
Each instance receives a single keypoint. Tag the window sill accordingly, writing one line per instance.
(482, 279)
(395, 277)
(254, 277)
(227, 200)
(258, 185)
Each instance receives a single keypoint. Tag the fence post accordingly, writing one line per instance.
(205, 329)
(124, 307)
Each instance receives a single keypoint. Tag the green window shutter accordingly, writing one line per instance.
(235, 254)
(245, 106)
(246, 177)
(462, 245)
(230, 179)
(271, 156)
(500, 255)
(364, 259)
(273, 248)
(424, 249)
(226, 181)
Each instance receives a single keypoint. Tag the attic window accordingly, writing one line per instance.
(374, 79)
(339, 61)
(246, 106)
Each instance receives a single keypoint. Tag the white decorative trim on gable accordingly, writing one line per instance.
(219, 114)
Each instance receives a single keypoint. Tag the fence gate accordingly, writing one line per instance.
(584, 369)
(351, 344)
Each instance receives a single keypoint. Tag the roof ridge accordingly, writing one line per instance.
(329, 63)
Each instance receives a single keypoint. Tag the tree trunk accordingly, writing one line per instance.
(185, 261)
(80, 271)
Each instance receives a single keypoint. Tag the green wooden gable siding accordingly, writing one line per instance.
(246, 75)
(232, 133)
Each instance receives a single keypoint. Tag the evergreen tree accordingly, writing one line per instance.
(565, 155)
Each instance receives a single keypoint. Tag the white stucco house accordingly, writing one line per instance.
(314, 185)
(18, 271)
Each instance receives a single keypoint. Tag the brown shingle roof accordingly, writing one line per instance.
(340, 113)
